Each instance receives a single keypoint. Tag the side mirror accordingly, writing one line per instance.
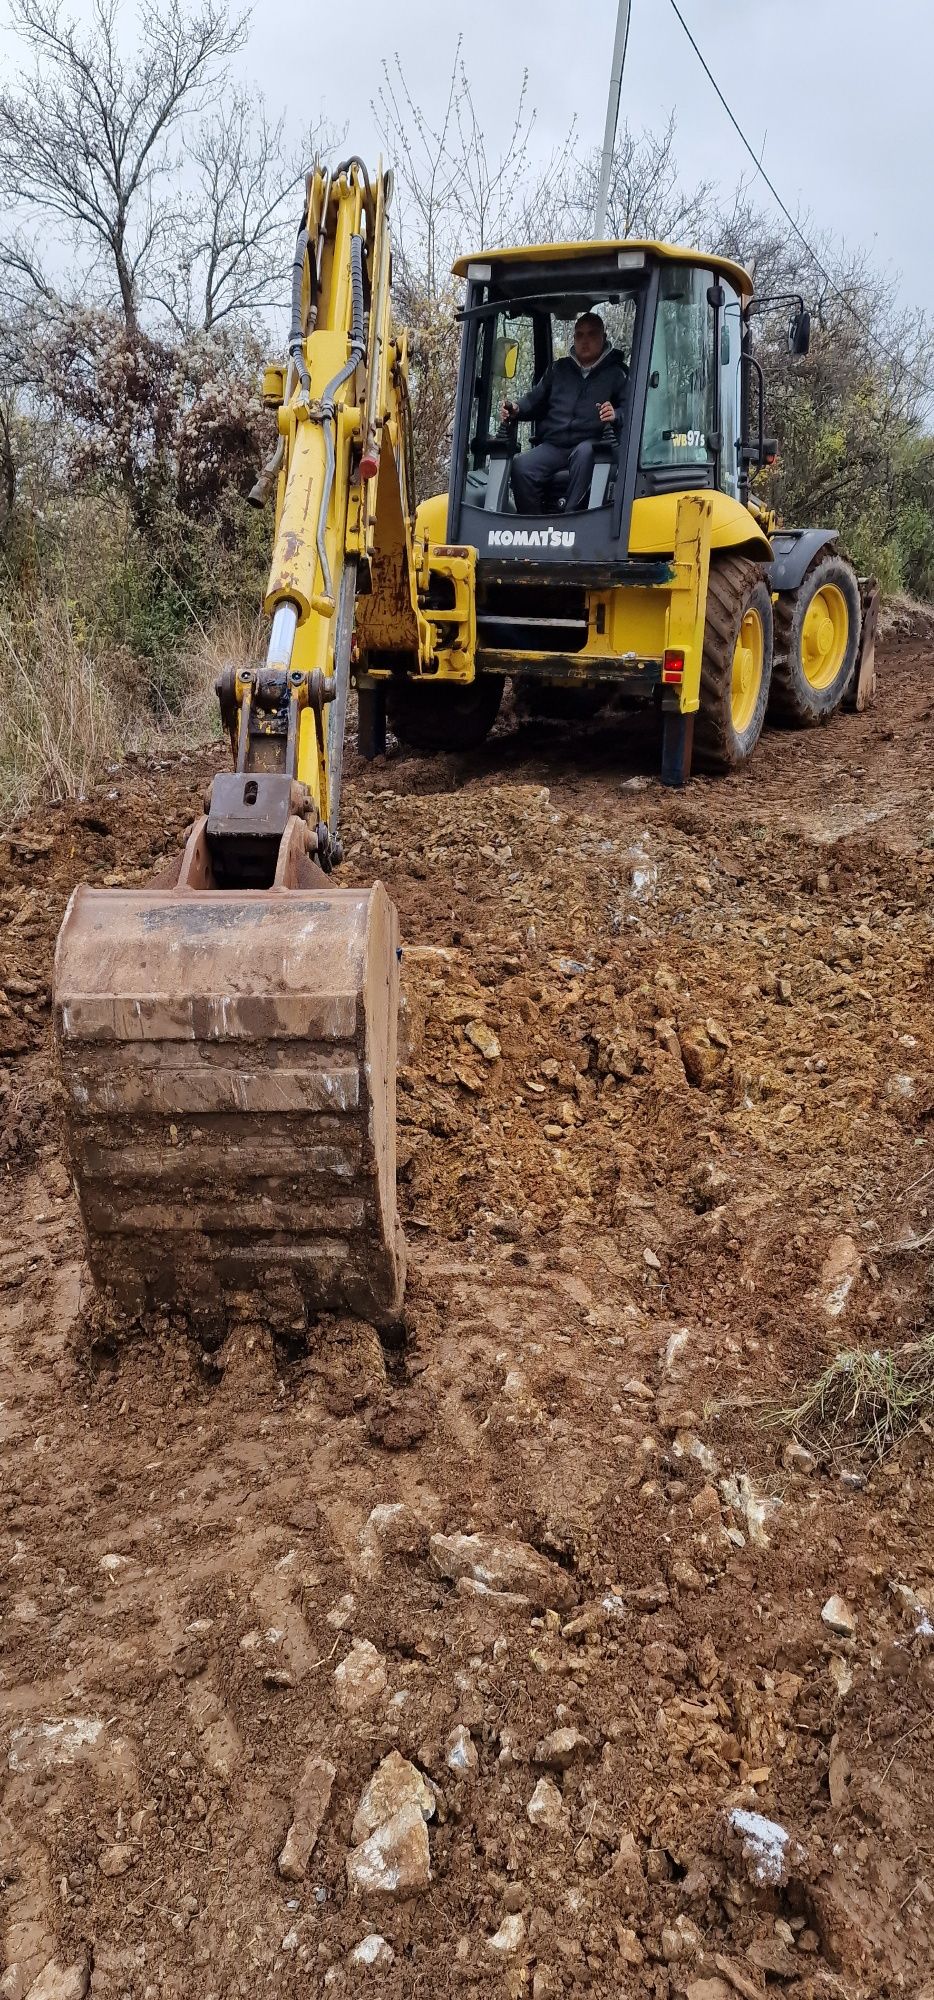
(799, 332)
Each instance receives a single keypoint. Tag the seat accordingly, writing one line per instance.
(605, 455)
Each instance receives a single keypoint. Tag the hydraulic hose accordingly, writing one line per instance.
(357, 350)
(297, 329)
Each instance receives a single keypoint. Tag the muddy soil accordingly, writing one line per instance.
(665, 1150)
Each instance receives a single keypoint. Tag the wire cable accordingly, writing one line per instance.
(891, 353)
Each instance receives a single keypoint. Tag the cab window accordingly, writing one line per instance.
(505, 370)
(681, 399)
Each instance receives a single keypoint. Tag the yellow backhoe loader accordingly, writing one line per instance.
(227, 1037)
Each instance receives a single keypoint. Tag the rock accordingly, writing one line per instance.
(708, 1989)
(117, 1859)
(392, 1529)
(755, 1508)
(14, 1984)
(684, 1574)
(360, 1680)
(839, 1271)
(797, 1458)
(311, 1803)
(494, 1565)
(767, 1848)
(626, 1873)
(510, 1937)
(737, 1979)
(483, 1039)
(771, 1954)
(648, 1257)
(631, 1950)
(395, 1784)
(680, 1941)
(460, 1753)
(61, 1982)
(705, 1505)
(42, 1746)
(841, 1675)
(839, 1617)
(702, 1061)
(652, 1597)
(561, 1749)
(372, 1950)
(546, 1807)
(395, 1860)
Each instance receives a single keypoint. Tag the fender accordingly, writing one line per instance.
(795, 549)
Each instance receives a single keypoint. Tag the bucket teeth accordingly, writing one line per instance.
(228, 1063)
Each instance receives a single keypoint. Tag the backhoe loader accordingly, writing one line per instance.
(226, 1037)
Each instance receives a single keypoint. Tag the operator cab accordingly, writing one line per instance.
(675, 319)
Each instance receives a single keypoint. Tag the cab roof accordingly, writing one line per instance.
(554, 253)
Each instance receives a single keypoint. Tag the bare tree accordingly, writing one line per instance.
(88, 139)
(240, 215)
(646, 195)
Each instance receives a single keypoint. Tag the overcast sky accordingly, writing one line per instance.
(836, 92)
(839, 90)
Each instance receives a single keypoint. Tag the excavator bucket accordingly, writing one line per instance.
(228, 1062)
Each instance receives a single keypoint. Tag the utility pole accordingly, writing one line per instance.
(612, 113)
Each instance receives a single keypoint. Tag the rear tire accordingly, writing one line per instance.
(817, 631)
(440, 716)
(736, 667)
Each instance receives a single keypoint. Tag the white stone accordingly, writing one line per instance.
(461, 1751)
(395, 1783)
(839, 1617)
(765, 1846)
(372, 1950)
(360, 1679)
(546, 1806)
(61, 1982)
(395, 1860)
(38, 1746)
(491, 1564)
(510, 1937)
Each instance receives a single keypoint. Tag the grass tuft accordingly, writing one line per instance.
(867, 1400)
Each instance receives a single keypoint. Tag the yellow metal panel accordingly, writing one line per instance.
(637, 623)
(653, 525)
(565, 253)
(431, 519)
(687, 613)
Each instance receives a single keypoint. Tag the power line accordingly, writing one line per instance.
(891, 353)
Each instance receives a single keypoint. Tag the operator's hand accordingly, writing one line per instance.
(509, 411)
(606, 413)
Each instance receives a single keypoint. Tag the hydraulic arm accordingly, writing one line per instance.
(227, 1037)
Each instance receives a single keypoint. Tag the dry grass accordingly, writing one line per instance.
(71, 708)
(231, 641)
(65, 713)
(867, 1400)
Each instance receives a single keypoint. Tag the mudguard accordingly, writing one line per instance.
(795, 549)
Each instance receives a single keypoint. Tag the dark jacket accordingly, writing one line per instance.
(565, 401)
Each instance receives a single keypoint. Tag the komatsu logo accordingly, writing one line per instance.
(531, 538)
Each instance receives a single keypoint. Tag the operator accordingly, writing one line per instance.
(576, 399)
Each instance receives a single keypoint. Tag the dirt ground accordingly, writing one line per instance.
(665, 1148)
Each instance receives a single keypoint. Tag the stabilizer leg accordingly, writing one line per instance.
(677, 747)
(371, 722)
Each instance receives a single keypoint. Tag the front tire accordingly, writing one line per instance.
(817, 631)
(737, 665)
(442, 716)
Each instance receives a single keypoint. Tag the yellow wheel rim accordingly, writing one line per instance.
(748, 662)
(825, 635)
